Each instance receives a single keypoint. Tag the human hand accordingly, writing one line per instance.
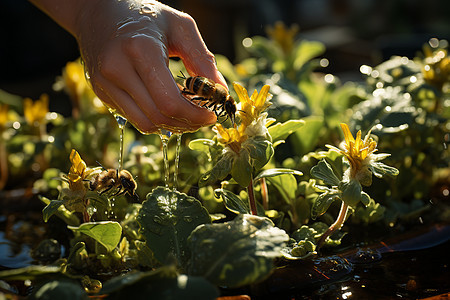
(126, 46)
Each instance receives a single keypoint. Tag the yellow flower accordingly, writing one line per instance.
(73, 75)
(78, 87)
(77, 172)
(282, 35)
(3, 115)
(36, 111)
(232, 137)
(253, 106)
(359, 154)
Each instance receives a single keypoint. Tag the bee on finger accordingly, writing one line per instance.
(210, 95)
(115, 181)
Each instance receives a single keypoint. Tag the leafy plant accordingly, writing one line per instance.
(258, 192)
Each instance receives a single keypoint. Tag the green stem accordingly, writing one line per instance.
(251, 197)
(336, 225)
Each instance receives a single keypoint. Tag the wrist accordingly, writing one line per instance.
(65, 12)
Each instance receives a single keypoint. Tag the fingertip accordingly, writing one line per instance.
(204, 117)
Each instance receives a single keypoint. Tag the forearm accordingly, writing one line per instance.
(66, 13)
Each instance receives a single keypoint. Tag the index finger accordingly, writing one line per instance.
(185, 41)
(152, 67)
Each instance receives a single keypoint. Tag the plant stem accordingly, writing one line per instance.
(336, 225)
(264, 194)
(251, 197)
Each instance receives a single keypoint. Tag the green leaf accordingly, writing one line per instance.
(276, 172)
(107, 233)
(365, 199)
(235, 253)
(232, 201)
(61, 212)
(333, 240)
(324, 172)
(351, 192)
(280, 131)
(372, 212)
(286, 185)
(379, 169)
(202, 145)
(219, 171)
(241, 170)
(235, 204)
(167, 218)
(305, 139)
(260, 151)
(51, 209)
(301, 245)
(305, 51)
(162, 283)
(322, 203)
(29, 273)
(60, 289)
(265, 48)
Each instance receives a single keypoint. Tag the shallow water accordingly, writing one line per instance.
(412, 266)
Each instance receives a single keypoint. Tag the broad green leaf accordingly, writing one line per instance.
(219, 171)
(260, 151)
(235, 253)
(241, 170)
(322, 203)
(351, 192)
(107, 233)
(162, 283)
(280, 131)
(276, 172)
(286, 185)
(167, 218)
(324, 172)
(232, 201)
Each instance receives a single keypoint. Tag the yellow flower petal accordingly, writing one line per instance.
(253, 106)
(36, 111)
(241, 92)
(77, 170)
(262, 96)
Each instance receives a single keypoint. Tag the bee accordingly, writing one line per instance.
(119, 181)
(210, 95)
